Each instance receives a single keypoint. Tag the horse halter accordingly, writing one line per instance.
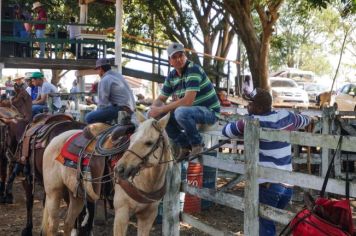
(160, 139)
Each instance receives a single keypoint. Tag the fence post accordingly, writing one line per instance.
(325, 151)
(171, 202)
(251, 141)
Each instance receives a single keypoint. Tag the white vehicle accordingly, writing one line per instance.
(345, 99)
(285, 92)
(295, 74)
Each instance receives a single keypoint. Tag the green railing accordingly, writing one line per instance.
(57, 47)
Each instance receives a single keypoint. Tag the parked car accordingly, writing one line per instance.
(285, 92)
(345, 98)
(295, 74)
(314, 89)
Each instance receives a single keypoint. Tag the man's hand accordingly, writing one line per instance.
(155, 111)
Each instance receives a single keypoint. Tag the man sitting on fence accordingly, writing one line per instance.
(272, 154)
(194, 101)
(40, 104)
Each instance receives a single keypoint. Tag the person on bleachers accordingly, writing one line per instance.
(40, 28)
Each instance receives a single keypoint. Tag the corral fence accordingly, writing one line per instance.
(246, 164)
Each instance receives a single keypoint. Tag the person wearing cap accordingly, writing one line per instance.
(40, 28)
(40, 104)
(114, 95)
(194, 101)
(272, 153)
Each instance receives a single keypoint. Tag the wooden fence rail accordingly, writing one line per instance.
(251, 172)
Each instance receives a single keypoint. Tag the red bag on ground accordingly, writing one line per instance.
(329, 218)
(324, 217)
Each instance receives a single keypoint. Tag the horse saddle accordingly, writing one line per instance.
(8, 113)
(37, 132)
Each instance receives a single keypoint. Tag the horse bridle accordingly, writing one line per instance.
(160, 139)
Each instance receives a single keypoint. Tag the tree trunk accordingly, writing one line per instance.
(257, 47)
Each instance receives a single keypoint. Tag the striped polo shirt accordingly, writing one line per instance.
(193, 79)
(272, 153)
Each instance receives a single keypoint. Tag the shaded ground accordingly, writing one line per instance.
(13, 217)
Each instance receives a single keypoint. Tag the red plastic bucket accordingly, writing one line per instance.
(195, 178)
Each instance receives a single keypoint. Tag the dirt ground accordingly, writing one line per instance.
(13, 217)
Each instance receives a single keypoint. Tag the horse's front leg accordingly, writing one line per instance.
(145, 219)
(27, 185)
(121, 221)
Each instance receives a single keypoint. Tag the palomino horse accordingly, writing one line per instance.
(149, 154)
(80, 182)
(38, 134)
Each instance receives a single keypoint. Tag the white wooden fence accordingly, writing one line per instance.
(251, 172)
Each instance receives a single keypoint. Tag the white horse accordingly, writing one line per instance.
(149, 155)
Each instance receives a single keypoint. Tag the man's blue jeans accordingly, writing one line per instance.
(276, 196)
(182, 125)
(37, 109)
(40, 34)
(106, 114)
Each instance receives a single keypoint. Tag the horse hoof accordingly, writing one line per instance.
(26, 232)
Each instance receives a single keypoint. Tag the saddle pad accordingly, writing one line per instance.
(70, 156)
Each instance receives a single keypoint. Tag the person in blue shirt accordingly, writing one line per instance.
(32, 90)
(272, 153)
(114, 95)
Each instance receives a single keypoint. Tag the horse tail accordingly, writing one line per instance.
(88, 187)
(44, 221)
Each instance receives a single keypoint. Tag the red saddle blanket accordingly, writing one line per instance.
(70, 159)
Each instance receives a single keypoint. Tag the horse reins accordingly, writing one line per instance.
(144, 158)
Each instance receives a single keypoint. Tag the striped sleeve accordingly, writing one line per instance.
(301, 121)
(166, 89)
(234, 129)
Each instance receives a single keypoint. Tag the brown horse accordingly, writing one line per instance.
(15, 114)
(38, 134)
(59, 178)
(149, 154)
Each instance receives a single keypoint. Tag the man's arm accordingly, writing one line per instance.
(158, 109)
(41, 99)
(234, 129)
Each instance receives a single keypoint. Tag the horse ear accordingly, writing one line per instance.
(140, 117)
(164, 121)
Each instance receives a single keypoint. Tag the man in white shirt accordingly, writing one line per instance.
(40, 104)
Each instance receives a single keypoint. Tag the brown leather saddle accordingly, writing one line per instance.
(8, 113)
(37, 133)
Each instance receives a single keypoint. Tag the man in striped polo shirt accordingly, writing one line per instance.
(194, 101)
(272, 154)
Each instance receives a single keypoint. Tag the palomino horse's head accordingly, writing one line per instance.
(148, 147)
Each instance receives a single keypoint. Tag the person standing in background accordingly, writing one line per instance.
(9, 87)
(73, 30)
(40, 28)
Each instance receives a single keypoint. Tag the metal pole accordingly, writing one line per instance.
(118, 35)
